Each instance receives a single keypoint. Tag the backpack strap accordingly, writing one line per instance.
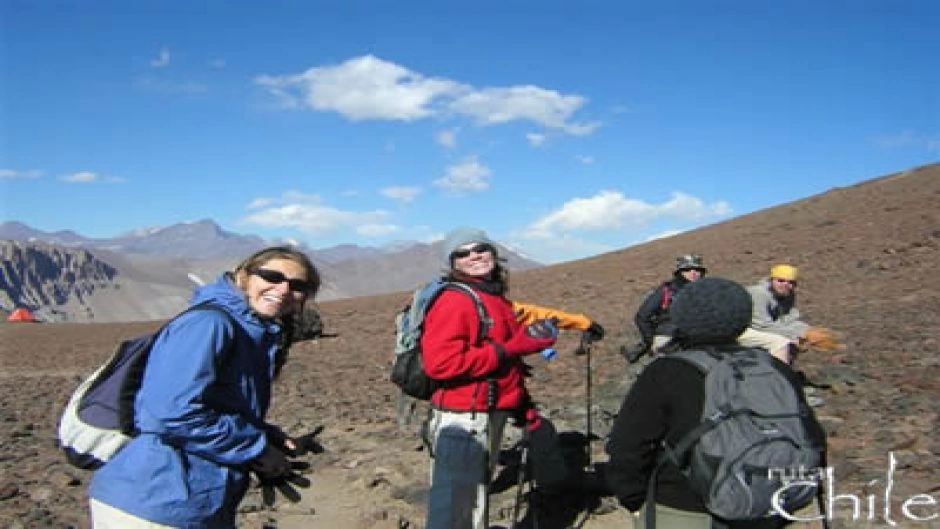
(485, 322)
(667, 296)
(131, 383)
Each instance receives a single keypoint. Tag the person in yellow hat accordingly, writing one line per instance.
(776, 324)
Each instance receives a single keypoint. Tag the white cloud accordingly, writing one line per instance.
(260, 202)
(13, 174)
(611, 210)
(307, 213)
(582, 129)
(663, 235)
(687, 207)
(403, 194)
(88, 177)
(535, 139)
(362, 88)
(162, 60)
(217, 64)
(468, 176)
(491, 106)
(447, 138)
(366, 88)
(586, 160)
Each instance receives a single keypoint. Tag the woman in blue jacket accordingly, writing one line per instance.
(200, 410)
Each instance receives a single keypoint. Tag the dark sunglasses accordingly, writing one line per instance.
(789, 282)
(276, 278)
(476, 248)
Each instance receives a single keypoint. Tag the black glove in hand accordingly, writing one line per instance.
(286, 485)
(307, 443)
(277, 473)
(277, 438)
(271, 464)
(595, 332)
(294, 446)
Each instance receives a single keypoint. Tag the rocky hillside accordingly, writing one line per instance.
(155, 270)
(41, 276)
(867, 253)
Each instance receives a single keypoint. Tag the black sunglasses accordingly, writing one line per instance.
(276, 278)
(482, 247)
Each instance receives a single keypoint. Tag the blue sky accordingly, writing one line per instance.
(565, 129)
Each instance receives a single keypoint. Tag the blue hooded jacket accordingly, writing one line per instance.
(200, 411)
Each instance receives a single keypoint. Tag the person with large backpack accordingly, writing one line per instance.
(200, 410)
(480, 377)
(652, 318)
(709, 433)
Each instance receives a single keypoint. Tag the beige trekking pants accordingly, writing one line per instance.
(778, 345)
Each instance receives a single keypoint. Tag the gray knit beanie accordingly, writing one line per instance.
(712, 310)
(461, 237)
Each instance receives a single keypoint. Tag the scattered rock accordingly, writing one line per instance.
(8, 490)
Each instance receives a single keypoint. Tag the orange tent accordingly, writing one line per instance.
(23, 316)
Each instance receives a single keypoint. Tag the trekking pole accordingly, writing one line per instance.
(584, 348)
(520, 477)
(487, 449)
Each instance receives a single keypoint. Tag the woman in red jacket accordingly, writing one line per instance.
(483, 378)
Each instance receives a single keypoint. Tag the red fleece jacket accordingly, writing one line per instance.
(451, 351)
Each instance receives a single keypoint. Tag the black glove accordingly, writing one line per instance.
(276, 472)
(633, 354)
(285, 485)
(271, 464)
(595, 332)
(302, 445)
(307, 443)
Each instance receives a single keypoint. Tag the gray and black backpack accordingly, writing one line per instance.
(755, 436)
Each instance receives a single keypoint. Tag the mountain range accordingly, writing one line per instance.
(150, 273)
(867, 255)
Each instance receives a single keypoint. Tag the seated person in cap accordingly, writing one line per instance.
(775, 321)
(652, 318)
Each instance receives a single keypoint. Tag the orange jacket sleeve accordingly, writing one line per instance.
(527, 313)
